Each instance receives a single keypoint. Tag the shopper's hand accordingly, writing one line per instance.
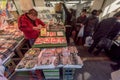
(82, 25)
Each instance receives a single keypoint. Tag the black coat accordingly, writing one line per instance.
(90, 25)
(115, 30)
(68, 15)
(81, 19)
(107, 28)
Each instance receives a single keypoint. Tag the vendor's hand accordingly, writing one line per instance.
(35, 28)
(39, 26)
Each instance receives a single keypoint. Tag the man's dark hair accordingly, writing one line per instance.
(94, 12)
(84, 10)
(33, 12)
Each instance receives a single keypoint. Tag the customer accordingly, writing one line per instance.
(30, 25)
(80, 23)
(106, 28)
(90, 24)
(68, 17)
(82, 17)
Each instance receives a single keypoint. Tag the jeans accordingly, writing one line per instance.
(31, 41)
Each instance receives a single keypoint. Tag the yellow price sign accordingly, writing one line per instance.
(43, 31)
(3, 4)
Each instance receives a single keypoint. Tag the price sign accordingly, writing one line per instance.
(43, 32)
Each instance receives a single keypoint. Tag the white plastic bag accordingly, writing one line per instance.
(81, 32)
(88, 41)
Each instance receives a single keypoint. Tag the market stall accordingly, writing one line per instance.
(51, 54)
(10, 38)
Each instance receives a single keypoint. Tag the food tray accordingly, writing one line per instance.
(78, 65)
(72, 66)
(29, 58)
(51, 66)
(54, 34)
(4, 51)
(25, 65)
(24, 69)
(50, 42)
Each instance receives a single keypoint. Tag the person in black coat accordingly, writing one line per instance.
(106, 28)
(82, 18)
(90, 24)
(79, 22)
(68, 17)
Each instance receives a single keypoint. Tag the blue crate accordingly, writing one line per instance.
(68, 74)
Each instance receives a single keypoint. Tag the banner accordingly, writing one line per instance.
(26, 4)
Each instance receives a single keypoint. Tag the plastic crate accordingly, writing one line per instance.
(51, 74)
(68, 74)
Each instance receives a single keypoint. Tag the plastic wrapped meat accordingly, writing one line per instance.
(11, 41)
(46, 57)
(20, 66)
(6, 45)
(65, 60)
(30, 64)
(3, 50)
(58, 50)
(48, 52)
(2, 40)
(73, 49)
(45, 60)
(60, 33)
(28, 57)
(57, 60)
(52, 33)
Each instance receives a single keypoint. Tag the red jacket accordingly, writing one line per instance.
(26, 25)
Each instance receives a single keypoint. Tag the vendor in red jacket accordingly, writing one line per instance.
(30, 25)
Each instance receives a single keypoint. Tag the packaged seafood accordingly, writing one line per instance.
(72, 49)
(30, 64)
(60, 33)
(20, 66)
(6, 45)
(58, 50)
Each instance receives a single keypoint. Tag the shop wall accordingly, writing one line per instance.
(26, 4)
(79, 8)
(109, 7)
(39, 3)
(97, 4)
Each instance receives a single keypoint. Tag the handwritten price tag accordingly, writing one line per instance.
(43, 32)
